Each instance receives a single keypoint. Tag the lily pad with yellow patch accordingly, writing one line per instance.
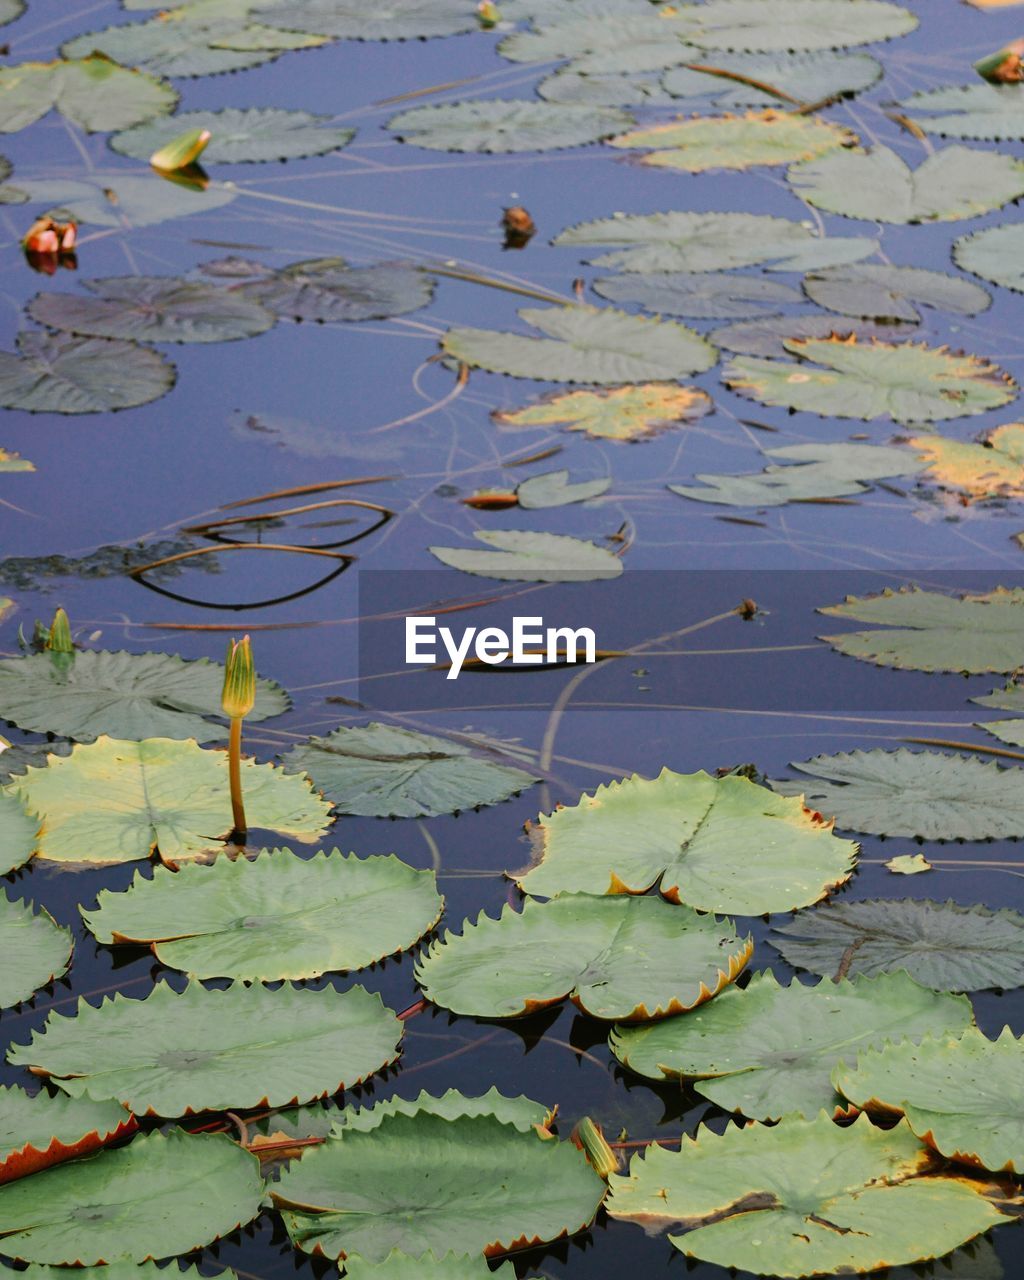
(991, 468)
(634, 412)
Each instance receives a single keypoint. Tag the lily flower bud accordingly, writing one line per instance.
(239, 694)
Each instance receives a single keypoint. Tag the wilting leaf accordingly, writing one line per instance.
(620, 413)
(768, 1050)
(767, 337)
(506, 124)
(809, 77)
(395, 20)
(162, 1195)
(736, 142)
(37, 1130)
(253, 134)
(241, 1046)
(988, 111)
(909, 864)
(380, 771)
(278, 916)
(117, 199)
(33, 951)
(60, 373)
(326, 289)
(851, 379)
(995, 254)
(18, 832)
(704, 295)
(940, 944)
(531, 557)
(717, 844)
(422, 1182)
(92, 92)
(552, 489)
(10, 462)
(585, 344)
(804, 1197)
(992, 469)
(450, 1266)
(878, 185)
(823, 471)
(889, 293)
(153, 309)
(624, 958)
(116, 801)
(914, 793)
(961, 1094)
(935, 632)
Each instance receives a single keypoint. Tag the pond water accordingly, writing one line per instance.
(305, 404)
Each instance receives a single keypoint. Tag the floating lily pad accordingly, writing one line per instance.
(10, 462)
(808, 77)
(37, 1130)
(552, 489)
(506, 124)
(620, 413)
(327, 289)
(851, 379)
(18, 833)
(736, 142)
(33, 951)
(704, 295)
(392, 20)
(121, 1270)
(585, 344)
(11, 9)
(804, 1197)
(531, 557)
(521, 1113)
(60, 373)
(909, 864)
(768, 1050)
(879, 186)
(913, 793)
(609, 90)
(380, 771)
(162, 1195)
(767, 337)
(278, 916)
(450, 1266)
(117, 801)
(253, 134)
(92, 92)
(988, 111)
(889, 294)
(422, 1182)
(117, 199)
(717, 844)
(624, 958)
(208, 1050)
(995, 254)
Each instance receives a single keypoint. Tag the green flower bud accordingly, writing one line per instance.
(239, 694)
(182, 151)
(59, 640)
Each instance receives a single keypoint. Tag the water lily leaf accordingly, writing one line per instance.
(736, 142)
(380, 771)
(37, 1130)
(423, 1182)
(117, 199)
(909, 864)
(717, 844)
(914, 793)
(33, 951)
(92, 92)
(995, 254)
(122, 1270)
(614, 89)
(585, 344)
(153, 309)
(987, 111)
(620, 413)
(278, 916)
(326, 289)
(768, 1050)
(962, 1095)
(506, 124)
(940, 944)
(851, 379)
(163, 1194)
(207, 1050)
(705, 295)
(11, 9)
(1008, 698)
(450, 1266)
(10, 462)
(61, 373)
(521, 1113)
(806, 77)
(823, 471)
(552, 489)
(610, 39)
(889, 293)
(116, 801)
(624, 958)
(531, 557)
(767, 337)
(935, 632)
(804, 1197)
(878, 185)
(1009, 731)
(393, 20)
(253, 134)
(18, 833)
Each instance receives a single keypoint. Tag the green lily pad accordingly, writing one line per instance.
(995, 254)
(241, 1046)
(622, 957)
(92, 92)
(37, 1130)
(1009, 731)
(422, 1182)
(942, 945)
(704, 295)
(988, 111)
(717, 844)
(162, 1195)
(767, 337)
(1009, 698)
(808, 77)
(18, 833)
(515, 556)
(620, 413)
(380, 771)
(328, 290)
(909, 864)
(638, 89)
(118, 801)
(552, 489)
(962, 1095)
(889, 293)
(585, 344)
(879, 186)
(278, 916)
(450, 1266)
(392, 20)
(253, 135)
(122, 1270)
(521, 1113)
(34, 950)
(506, 124)
(11, 9)
(126, 200)
(60, 373)
(768, 1050)
(804, 1197)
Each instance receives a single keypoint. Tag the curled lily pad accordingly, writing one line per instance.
(504, 125)
(92, 92)
(33, 951)
(207, 1050)
(717, 844)
(531, 557)
(619, 413)
(893, 294)
(60, 373)
(278, 916)
(995, 254)
(18, 833)
(624, 958)
(239, 135)
(37, 1130)
(736, 142)
(990, 469)
(768, 1050)
(393, 20)
(988, 111)
(705, 295)
(327, 289)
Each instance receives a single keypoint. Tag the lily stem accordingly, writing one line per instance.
(235, 773)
